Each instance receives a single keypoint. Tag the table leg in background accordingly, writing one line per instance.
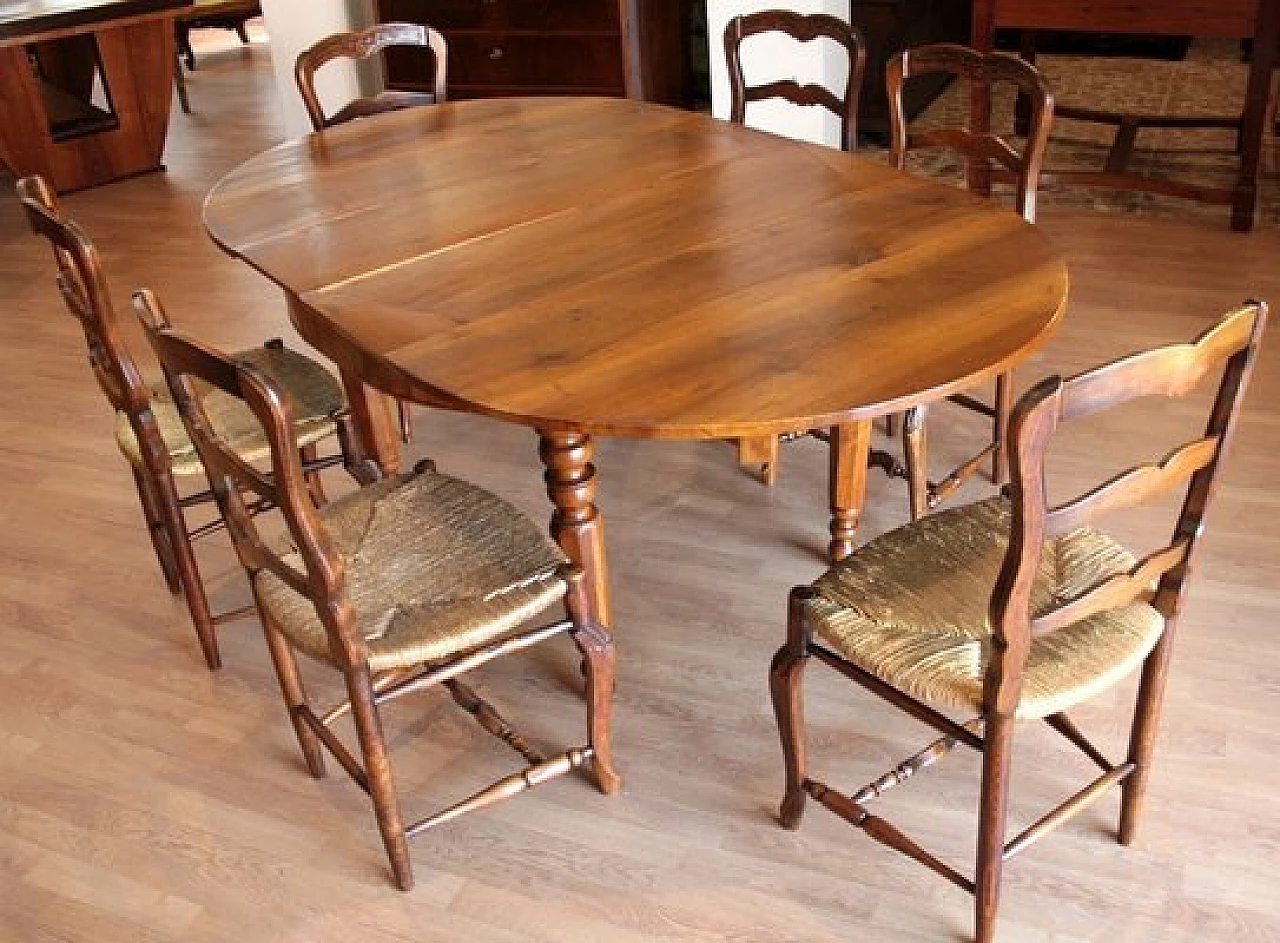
(371, 412)
(850, 445)
(576, 524)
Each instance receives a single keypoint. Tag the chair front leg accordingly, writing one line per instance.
(377, 765)
(160, 538)
(997, 745)
(915, 457)
(295, 696)
(786, 687)
(175, 526)
(1142, 738)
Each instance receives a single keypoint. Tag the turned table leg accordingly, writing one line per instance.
(576, 524)
(371, 415)
(850, 445)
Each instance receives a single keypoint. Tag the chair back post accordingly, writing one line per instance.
(1230, 346)
(83, 286)
(982, 70)
(802, 28)
(186, 362)
(362, 44)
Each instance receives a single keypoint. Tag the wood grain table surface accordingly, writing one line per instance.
(609, 267)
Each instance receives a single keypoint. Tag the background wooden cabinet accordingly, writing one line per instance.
(548, 47)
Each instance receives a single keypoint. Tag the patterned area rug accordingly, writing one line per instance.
(1211, 80)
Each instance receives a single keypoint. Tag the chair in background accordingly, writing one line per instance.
(1013, 609)
(361, 45)
(806, 28)
(982, 149)
(403, 585)
(148, 429)
(206, 14)
(212, 14)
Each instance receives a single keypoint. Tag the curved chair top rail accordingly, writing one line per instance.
(361, 44)
(802, 28)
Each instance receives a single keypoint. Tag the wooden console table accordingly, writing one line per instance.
(52, 54)
(1258, 20)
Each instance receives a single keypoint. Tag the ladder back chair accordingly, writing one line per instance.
(362, 44)
(404, 585)
(803, 28)
(1011, 609)
(982, 150)
(149, 431)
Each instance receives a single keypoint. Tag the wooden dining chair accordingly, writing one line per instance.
(804, 28)
(1013, 609)
(148, 429)
(982, 150)
(762, 451)
(362, 44)
(403, 585)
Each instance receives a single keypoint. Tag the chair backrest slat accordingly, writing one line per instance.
(802, 28)
(1133, 486)
(322, 577)
(361, 44)
(980, 146)
(1114, 591)
(1229, 348)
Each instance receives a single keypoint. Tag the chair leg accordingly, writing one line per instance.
(406, 422)
(914, 454)
(600, 661)
(180, 83)
(295, 696)
(786, 687)
(242, 32)
(1146, 723)
(1000, 429)
(315, 487)
(997, 743)
(159, 532)
(377, 764)
(188, 572)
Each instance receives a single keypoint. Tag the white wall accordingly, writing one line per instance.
(292, 26)
(768, 58)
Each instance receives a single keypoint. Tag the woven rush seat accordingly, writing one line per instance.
(314, 393)
(911, 607)
(436, 567)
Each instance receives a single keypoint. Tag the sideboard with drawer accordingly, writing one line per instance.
(548, 47)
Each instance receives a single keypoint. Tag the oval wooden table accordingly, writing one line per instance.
(607, 267)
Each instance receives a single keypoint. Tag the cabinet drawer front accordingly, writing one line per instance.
(553, 61)
(440, 14)
(555, 15)
(543, 16)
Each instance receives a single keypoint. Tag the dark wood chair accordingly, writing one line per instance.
(804, 28)
(212, 14)
(148, 429)
(361, 45)
(1015, 609)
(403, 585)
(982, 149)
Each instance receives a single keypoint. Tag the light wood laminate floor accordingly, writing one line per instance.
(144, 799)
